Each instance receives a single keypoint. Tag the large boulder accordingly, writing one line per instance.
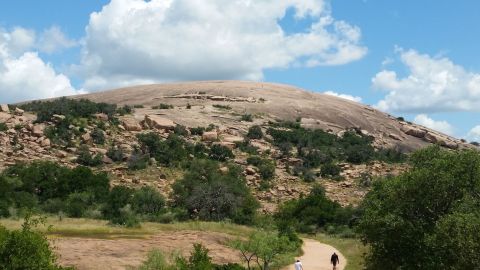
(4, 108)
(232, 139)
(210, 136)
(37, 130)
(158, 122)
(131, 124)
(413, 131)
(19, 111)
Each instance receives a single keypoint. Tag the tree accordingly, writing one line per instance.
(255, 132)
(263, 248)
(427, 218)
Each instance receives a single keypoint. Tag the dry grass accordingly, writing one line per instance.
(79, 227)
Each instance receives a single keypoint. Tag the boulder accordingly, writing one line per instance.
(58, 118)
(86, 138)
(4, 108)
(232, 139)
(37, 130)
(158, 122)
(413, 131)
(19, 111)
(229, 145)
(210, 136)
(45, 143)
(131, 124)
(250, 170)
(4, 117)
(107, 160)
(101, 116)
(394, 136)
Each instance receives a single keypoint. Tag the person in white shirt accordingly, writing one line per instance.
(298, 265)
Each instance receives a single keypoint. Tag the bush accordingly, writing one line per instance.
(330, 170)
(138, 106)
(247, 118)
(162, 106)
(85, 158)
(115, 153)
(137, 160)
(208, 194)
(3, 127)
(220, 153)
(180, 130)
(266, 167)
(147, 201)
(428, 217)
(197, 130)
(98, 136)
(246, 147)
(116, 208)
(126, 109)
(26, 249)
(167, 152)
(77, 204)
(255, 132)
(223, 107)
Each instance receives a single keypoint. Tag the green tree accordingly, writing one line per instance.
(427, 218)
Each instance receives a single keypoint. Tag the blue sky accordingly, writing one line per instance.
(417, 59)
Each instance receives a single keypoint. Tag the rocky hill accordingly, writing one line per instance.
(224, 112)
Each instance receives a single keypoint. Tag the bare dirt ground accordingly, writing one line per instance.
(89, 253)
(317, 256)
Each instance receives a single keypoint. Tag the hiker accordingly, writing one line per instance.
(298, 265)
(334, 260)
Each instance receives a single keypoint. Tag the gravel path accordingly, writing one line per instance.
(316, 256)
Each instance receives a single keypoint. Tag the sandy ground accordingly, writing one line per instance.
(317, 256)
(88, 253)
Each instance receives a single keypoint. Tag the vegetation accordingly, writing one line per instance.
(197, 131)
(74, 108)
(220, 153)
(85, 158)
(222, 107)
(255, 132)
(98, 136)
(316, 212)
(208, 194)
(247, 117)
(162, 106)
(3, 127)
(427, 218)
(266, 167)
(26, 249)
(199, 260)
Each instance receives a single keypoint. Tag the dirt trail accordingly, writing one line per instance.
(117, 254)
(317, 256)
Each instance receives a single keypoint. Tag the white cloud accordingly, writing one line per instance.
(432, 85)
(474, 134)
(344, 96)
(442, 126)
(23, 74)
(54, 40)
(166, 40)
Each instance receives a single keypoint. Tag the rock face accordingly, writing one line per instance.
(158, 122)
(131, 124)
(267, 102)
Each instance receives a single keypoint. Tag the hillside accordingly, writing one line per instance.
(227, 110)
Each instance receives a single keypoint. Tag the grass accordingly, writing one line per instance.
(91, 228)
(351, 248)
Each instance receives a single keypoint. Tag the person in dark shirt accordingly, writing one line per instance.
(334, 260)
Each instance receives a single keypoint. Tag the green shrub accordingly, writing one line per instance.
(115, 153)
(85, 158)
(220, 153)
(247, 118)
(246, 147)
(138, 106)
(98, 136)
(147, 201)
(77, 204)
(255, 132)
(208, 194)
(180, 130)
(167, 152)
(74, 108)
(137, 160)
(197, 130)
(330, 170)
(3, 127)
(116, 208)
(162, 106)
(223, 107)
(26, 249)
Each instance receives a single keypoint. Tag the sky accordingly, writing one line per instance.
(410, 58)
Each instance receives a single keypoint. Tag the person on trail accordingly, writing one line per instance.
(334, 260)
(298, 265)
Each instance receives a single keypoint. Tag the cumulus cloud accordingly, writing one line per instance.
(474, 134)
(159, 40)
(433, 84)
(54, 40)
(442, 126)
(344, 96)
(23, 74)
